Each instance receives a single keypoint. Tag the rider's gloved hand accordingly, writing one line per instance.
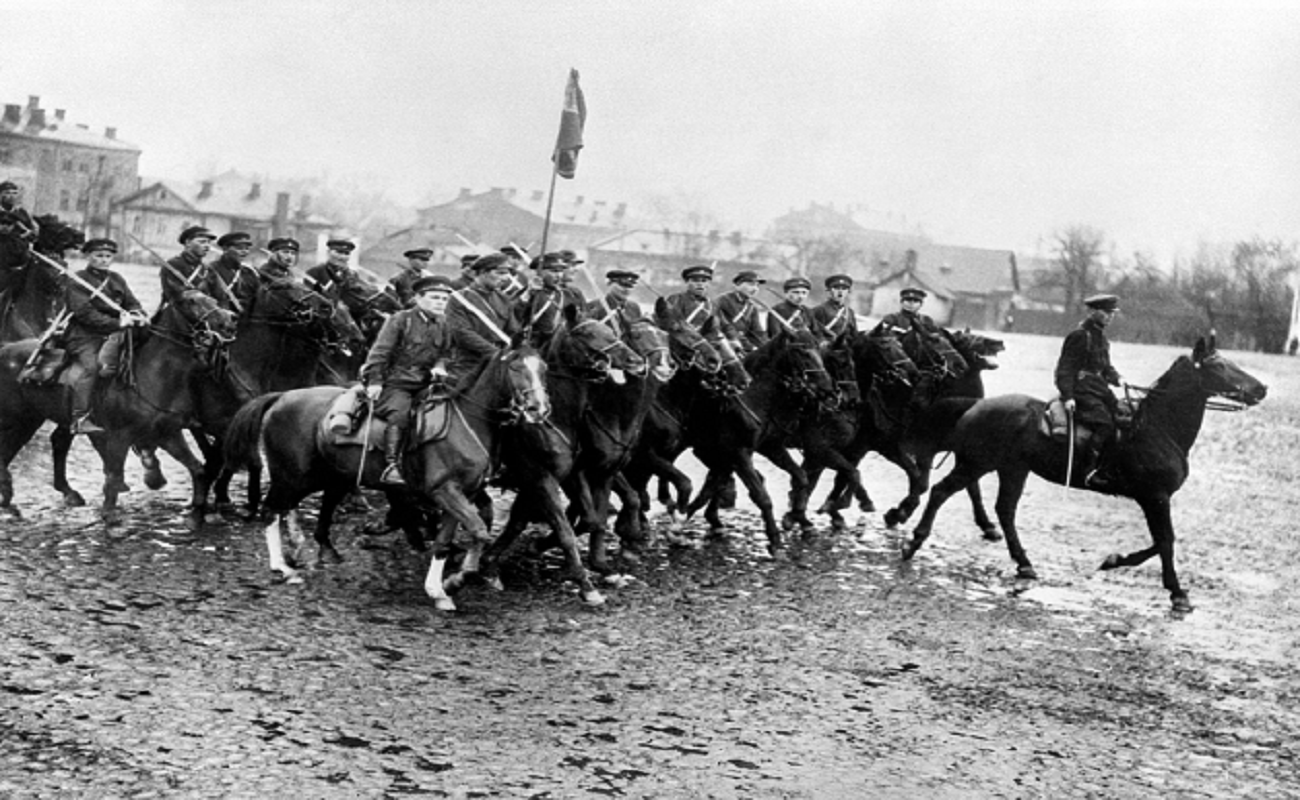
(1070, 405)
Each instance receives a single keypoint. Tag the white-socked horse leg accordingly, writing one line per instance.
(275, 551)
(433, 585)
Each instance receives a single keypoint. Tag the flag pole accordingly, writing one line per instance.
(550, 199)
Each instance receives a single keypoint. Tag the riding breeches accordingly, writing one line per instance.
(395, 403)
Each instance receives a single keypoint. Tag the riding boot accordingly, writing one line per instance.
(1099, 476)
(81, 395)
(393, 441)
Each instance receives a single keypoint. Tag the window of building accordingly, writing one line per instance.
(83, 167)
(67, 165)
(65, 200)
(137, 225)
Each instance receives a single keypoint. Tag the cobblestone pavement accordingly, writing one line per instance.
(147, 661)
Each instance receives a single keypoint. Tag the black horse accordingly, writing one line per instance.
(34, 291)
(1005, 434)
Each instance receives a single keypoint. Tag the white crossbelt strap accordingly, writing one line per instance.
(476, 311)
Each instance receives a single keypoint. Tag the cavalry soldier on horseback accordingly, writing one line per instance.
(739, 308)
(410, 353)
(1084, 376)
(541, 311)
(834, 317)
(336, 280)
(187, 270)
(466, 277)
(277, 270)
(234, 281)
(403, 283)
(97, 325)
(14, 253)
(790, 313)
(616, 309)
(23, 222)
(480, 316)
(694, 307)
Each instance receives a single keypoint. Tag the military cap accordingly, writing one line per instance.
(839, 282)
(97, 245)
(625, 277)
(194, 232)
(283, 243)
(749, 276)
(341, 245)
(797, 282)
(911, 293)
(490, 261)
(515, 251)
(7, 186)
(234, 239)
(468, 259)
(549, 261)
(571, 257)
(422, 253)
(1102, 302)
(697, 271)
(431, 283)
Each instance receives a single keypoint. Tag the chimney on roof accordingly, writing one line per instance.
(13, 115)
(304, 205)
(464, 193)
(578, 201)
(58, 114)
(538, 194)
(620, 210)
(281, 221)
(510, 193)
(254, 192)
(110, 133)
(205, 190)
(36, 122)
(33, 102)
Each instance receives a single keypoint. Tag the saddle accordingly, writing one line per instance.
(345, 421)
(1055, 423)
(433, 421)
(45, 366)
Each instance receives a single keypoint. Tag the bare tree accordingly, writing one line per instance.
(1077, 252)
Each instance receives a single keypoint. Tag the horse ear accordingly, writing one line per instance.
(1213, 345)
(1199, 351)
(571, 313)
(661, 310)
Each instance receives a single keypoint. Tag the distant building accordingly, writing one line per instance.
(968, 286)
(660, 256)
(499, 216)
(162, 208)
(66, 169)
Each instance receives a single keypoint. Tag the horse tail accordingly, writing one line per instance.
(244, 436)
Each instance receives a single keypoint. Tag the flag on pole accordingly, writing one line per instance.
(572, 119)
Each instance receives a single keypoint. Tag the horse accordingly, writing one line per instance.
(789, 382)
(148, 406)
(614, 417)
(35, 290)
(539, 458)
(909, 436)
(1005, 434)
(444, 468)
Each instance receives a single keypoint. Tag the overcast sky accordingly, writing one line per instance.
(989, 123)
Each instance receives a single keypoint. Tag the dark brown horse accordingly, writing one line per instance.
(148, 406)
(1004, 435)
(444, 468)
(539, 458)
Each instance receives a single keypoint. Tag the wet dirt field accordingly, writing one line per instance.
(148, 661)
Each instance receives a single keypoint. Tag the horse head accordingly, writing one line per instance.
(1221, 378)
(689, 347)
(980, 352)
(651, 343)
(801, 368)
(591, 346)
(205, 317)
(525, 379)
(342, 331)
(884, 356)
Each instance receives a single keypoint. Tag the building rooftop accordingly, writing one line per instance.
(33, 121)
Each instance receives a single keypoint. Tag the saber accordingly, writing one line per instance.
(1069, 464)
(234, 301)
(365, 438)
(95, 292)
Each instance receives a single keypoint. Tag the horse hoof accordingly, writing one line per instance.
(291, 577)
(328, 556)
(194, 521)
(12, 512)
(593, 598)
(111, 516)
(155, 482)
(992, 535)
(788, 522)
(73, 499)
(892, 518)
(1113, 561)
(867, 507)
(716, 532)
(838, 524)
(909, 549)
(1026, 573)
(444, 604)
(1181, 605)
(494, 583)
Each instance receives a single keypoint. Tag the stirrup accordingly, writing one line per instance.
(83, 424)
(392, 476)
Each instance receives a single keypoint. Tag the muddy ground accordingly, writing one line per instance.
(148, 661)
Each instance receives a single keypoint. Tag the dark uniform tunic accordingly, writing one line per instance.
(93, 321)
(619, 315)
(473, 340)
(795, 316)
(743, 315)
(832, 319)
(27, 227)
(14, 255)
(403, 285)
(187, 272)
(232, 274)
(700, 313)
(1084, 374)
(542, 311)
(410, 344)
(923, 341)
(340, 284)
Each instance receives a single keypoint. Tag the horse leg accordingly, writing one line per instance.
(798, 498)
(597, 492)
(991, 532)
(176, 446)
(60, 444)
(1161, 526)
(154, 478)
(918, 482)
(112, 447)
(13, 436)
(553, 508)
(758, 493)
(287, 520)
(627, 526)
(463, 515)
(330, 500)
(434, 582)
(954, 482)
(1011, 484)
